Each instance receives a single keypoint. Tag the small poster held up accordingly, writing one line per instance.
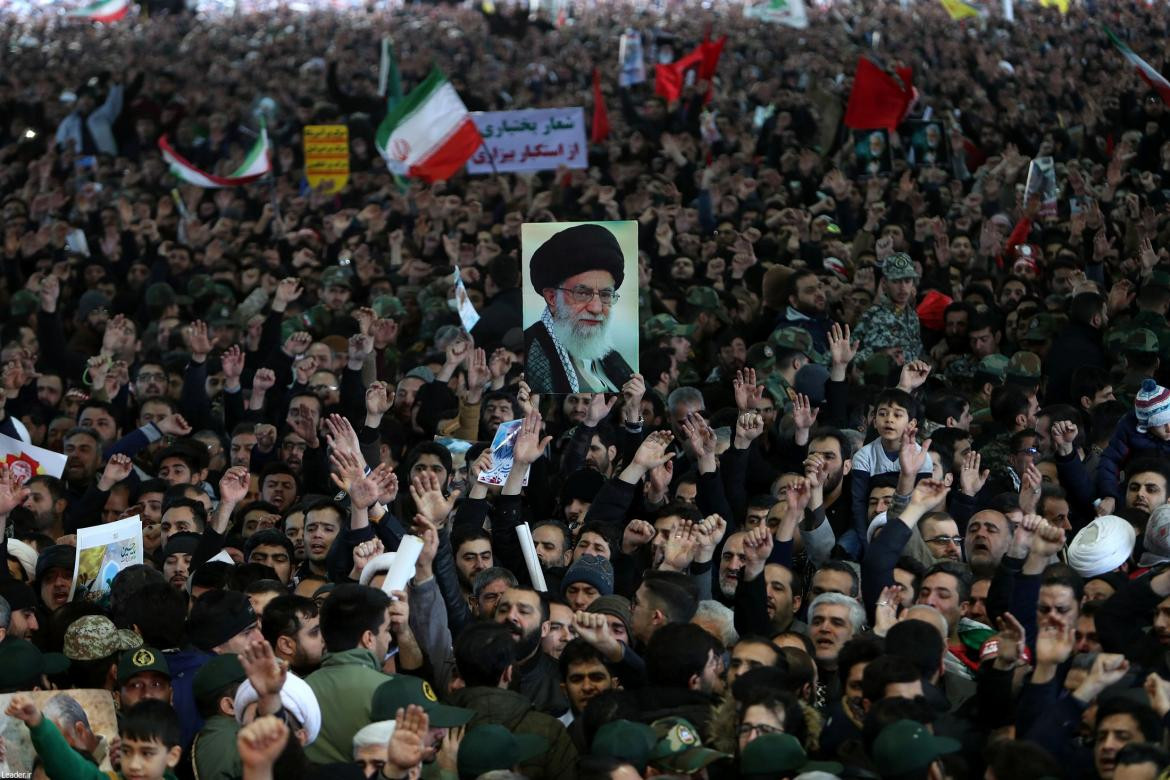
(872, 150)
(26, 461)
(468, 316)
(631, 59)
(503, 454)
(326, 156)
(102, 552)
(928, 144)
(1042, 184)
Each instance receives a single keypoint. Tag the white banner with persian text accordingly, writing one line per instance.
(532, 139)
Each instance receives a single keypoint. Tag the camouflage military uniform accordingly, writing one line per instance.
(962, 367)
(1150, 321)
(661, 326)
(882, 324)
(992, 368)
(1138, 340)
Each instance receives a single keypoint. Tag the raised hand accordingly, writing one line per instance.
(749, 426)
(479, 465)
(971, 479)
(841, 349)
(173, 425)
(748, 395)
(500, 364)
(117, 469)
(233, 366)
(757, 546)
(377, 400)
(1054, 644)
(365, 552)
(632, 393)
(304, 368)
(198, 341)
(1158, 690)
(912, 457)
(360, 347)
(265, 671)
(12, 494)
(387, 481)
(407, 746)
(346, 469)
(233, 485)
(804, 416)
(363, 492)
(528, 400)
(701, 440)
(1010, 639)
(528, 446)
(885, 612)
(287, 291)
(429, 499)
(1064, 436)
(636, 534)
(340, 435)
(681, 547)
(653, 451)
(1030, 482)
(593, 627)
(709, 532)
(23, 708)
(297, 343)
(598, 409)
(914, 374)
(929, 493)
(263, 381)
(260, 744)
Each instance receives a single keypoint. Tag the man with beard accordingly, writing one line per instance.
(578, 272)
(988, 537)
(893, 315)
(525, 613)
(292, 625)
(731, 562)
(807, 306)
(829, 449)
(177, 552)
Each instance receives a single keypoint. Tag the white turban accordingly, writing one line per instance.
(1101, 546)
(376, 733)
(296, 696)
(25, 555)
(378, 565)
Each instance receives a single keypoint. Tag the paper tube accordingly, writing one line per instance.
(533, 562)
(403, 567)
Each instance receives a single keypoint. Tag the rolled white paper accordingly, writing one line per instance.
(403, 567)
(530, 558)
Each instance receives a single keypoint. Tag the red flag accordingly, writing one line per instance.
(668, 79)
(600, 129)
(712, 50)
(878, 100)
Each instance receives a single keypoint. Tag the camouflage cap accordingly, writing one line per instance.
(792, 338)
(995, 366)
(388, 307)
(663, 325)
(144, 659)
(707, 299)
(761, 357)
(899, 266)
(336, 277)
(1024, 365)
(93, 637)
(1141, 340)
(679, 748)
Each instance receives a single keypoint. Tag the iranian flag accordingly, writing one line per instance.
(103, 10)
(429, 135)
(255, 165)
(1144, 69)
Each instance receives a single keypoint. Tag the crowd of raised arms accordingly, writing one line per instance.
(888, 497)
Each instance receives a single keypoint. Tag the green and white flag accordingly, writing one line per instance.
(790, 13)
(103, 10)
(429, 135)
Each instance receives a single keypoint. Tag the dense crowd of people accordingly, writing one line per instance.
(887, 497)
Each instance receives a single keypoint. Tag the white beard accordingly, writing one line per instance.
(584, 344)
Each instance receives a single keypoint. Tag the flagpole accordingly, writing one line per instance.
(491, 157)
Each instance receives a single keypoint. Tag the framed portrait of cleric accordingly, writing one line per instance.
(580, 309)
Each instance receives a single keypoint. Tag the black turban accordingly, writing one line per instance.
(573, 251)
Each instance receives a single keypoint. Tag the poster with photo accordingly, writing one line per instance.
(928, 144)
(580, 307)
(102, 552)
(503, 454)
(872, 150)
(93, 735)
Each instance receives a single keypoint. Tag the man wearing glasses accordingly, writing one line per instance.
(578, 273)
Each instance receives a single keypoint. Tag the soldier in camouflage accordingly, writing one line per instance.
(892, 319)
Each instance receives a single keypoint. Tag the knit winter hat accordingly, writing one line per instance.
(1152, 405)
(593, 570)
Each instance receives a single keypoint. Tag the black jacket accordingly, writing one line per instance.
(499, 316)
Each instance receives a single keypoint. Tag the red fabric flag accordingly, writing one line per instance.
(668, 79)
(878, 100)
(712, 51)
(599, 131)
